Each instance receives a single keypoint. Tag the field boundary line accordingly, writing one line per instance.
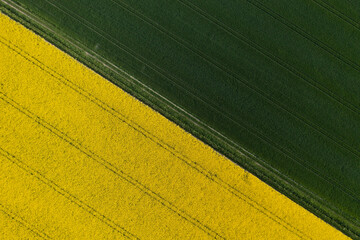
(41, 122)
(292, 70)
(109, 166)
(6, 211)
(211, 176)
(235, 76)
(236, 152)
(216, 108)
(161, 142)
(315, 127)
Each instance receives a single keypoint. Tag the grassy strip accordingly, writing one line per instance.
(201, 131)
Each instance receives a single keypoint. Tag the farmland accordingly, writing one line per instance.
(81, 159)
(275, 88)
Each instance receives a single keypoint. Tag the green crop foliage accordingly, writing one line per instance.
(280, 79)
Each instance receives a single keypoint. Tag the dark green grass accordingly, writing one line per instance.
(280, 79)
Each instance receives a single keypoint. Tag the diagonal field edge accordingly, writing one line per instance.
(215, 107)
(134, 182)
(257, 165)
(203, 171)
(229, 188)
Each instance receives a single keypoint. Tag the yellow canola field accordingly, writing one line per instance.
(82, 159)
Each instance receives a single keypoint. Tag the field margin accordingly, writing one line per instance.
(185, 120)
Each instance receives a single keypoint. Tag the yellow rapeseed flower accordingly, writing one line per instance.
(82, 159)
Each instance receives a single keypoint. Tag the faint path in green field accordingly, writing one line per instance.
(281, 82)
